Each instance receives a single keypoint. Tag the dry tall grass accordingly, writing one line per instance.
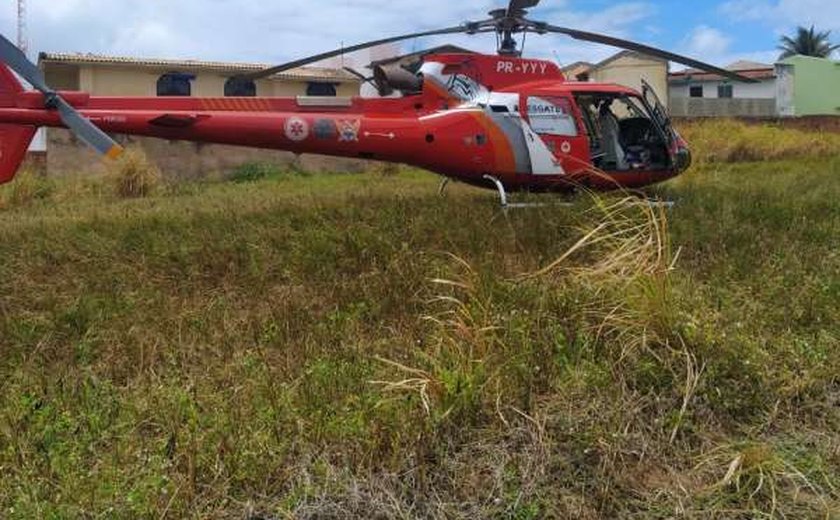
(728, 141)
(135, 175)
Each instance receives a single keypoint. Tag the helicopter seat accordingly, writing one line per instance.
(614, 154)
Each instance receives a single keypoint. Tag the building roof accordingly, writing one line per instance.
(578, 68)
(627, 54)
(419, 55)
(748, 65)
(573, 70)
(800, 58)
(302, 73)
(749, 69)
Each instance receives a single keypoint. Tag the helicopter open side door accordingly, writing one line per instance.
(554, 120)
(658, 112)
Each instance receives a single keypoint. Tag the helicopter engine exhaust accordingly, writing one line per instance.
(391, 78)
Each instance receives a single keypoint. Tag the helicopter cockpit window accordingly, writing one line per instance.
(552, 116)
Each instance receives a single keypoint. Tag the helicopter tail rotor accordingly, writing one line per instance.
(81, 127)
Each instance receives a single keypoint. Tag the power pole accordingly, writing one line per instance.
(23, 42)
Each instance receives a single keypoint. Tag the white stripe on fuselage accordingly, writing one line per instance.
(543, 161)
(453, 111)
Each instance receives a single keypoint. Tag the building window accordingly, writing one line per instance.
(240, 87)
(175, 84)
(695, 91)
(725, 91)
(321, 89)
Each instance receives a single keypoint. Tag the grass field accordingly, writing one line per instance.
(326, 346)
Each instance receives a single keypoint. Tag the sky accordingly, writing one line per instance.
(265, 31)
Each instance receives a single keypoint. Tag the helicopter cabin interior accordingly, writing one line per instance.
(623, 131)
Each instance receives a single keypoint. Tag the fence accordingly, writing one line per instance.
(722, 107)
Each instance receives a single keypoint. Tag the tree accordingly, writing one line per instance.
(807, 42)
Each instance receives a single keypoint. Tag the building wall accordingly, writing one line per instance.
(128, 81)
(62, 77)
(816, 86)
(67, 156)
(717, 107)
(766, 89)
(629, 71)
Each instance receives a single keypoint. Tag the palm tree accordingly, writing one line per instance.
(807, 42)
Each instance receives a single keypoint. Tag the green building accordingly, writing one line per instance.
(808, 86)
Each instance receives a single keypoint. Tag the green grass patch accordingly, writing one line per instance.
(357, 346)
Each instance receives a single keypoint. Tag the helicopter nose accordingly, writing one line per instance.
(682, 159)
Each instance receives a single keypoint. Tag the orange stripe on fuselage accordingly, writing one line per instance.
(234, 104)
(441, 92)
(505, 159)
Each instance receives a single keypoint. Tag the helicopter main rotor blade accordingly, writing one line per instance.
(346, 50)
(644, 49)
(81, 127)
(521, 5)
(356, 73)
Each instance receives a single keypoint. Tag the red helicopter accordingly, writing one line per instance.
(494, 121)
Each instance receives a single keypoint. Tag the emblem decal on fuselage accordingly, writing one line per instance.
(349, 130)
(463, 87)
(325, 129)
(297, 129)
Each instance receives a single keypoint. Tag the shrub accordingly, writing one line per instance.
(254, 171)
(26, 188)
(134, 175)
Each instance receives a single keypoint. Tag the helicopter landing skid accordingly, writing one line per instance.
(506, 204)
(500, 187)
(443, 184)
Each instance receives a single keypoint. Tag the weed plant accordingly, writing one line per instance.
(134, 175)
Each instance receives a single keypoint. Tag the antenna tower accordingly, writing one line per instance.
(23, 43)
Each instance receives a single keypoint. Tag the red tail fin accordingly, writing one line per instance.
(14, 139)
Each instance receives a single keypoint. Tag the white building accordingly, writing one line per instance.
(696, 93)
(692, 83)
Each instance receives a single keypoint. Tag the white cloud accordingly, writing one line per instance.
(712, 45)
(273, 32)
(707, 43)
(783, 14)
